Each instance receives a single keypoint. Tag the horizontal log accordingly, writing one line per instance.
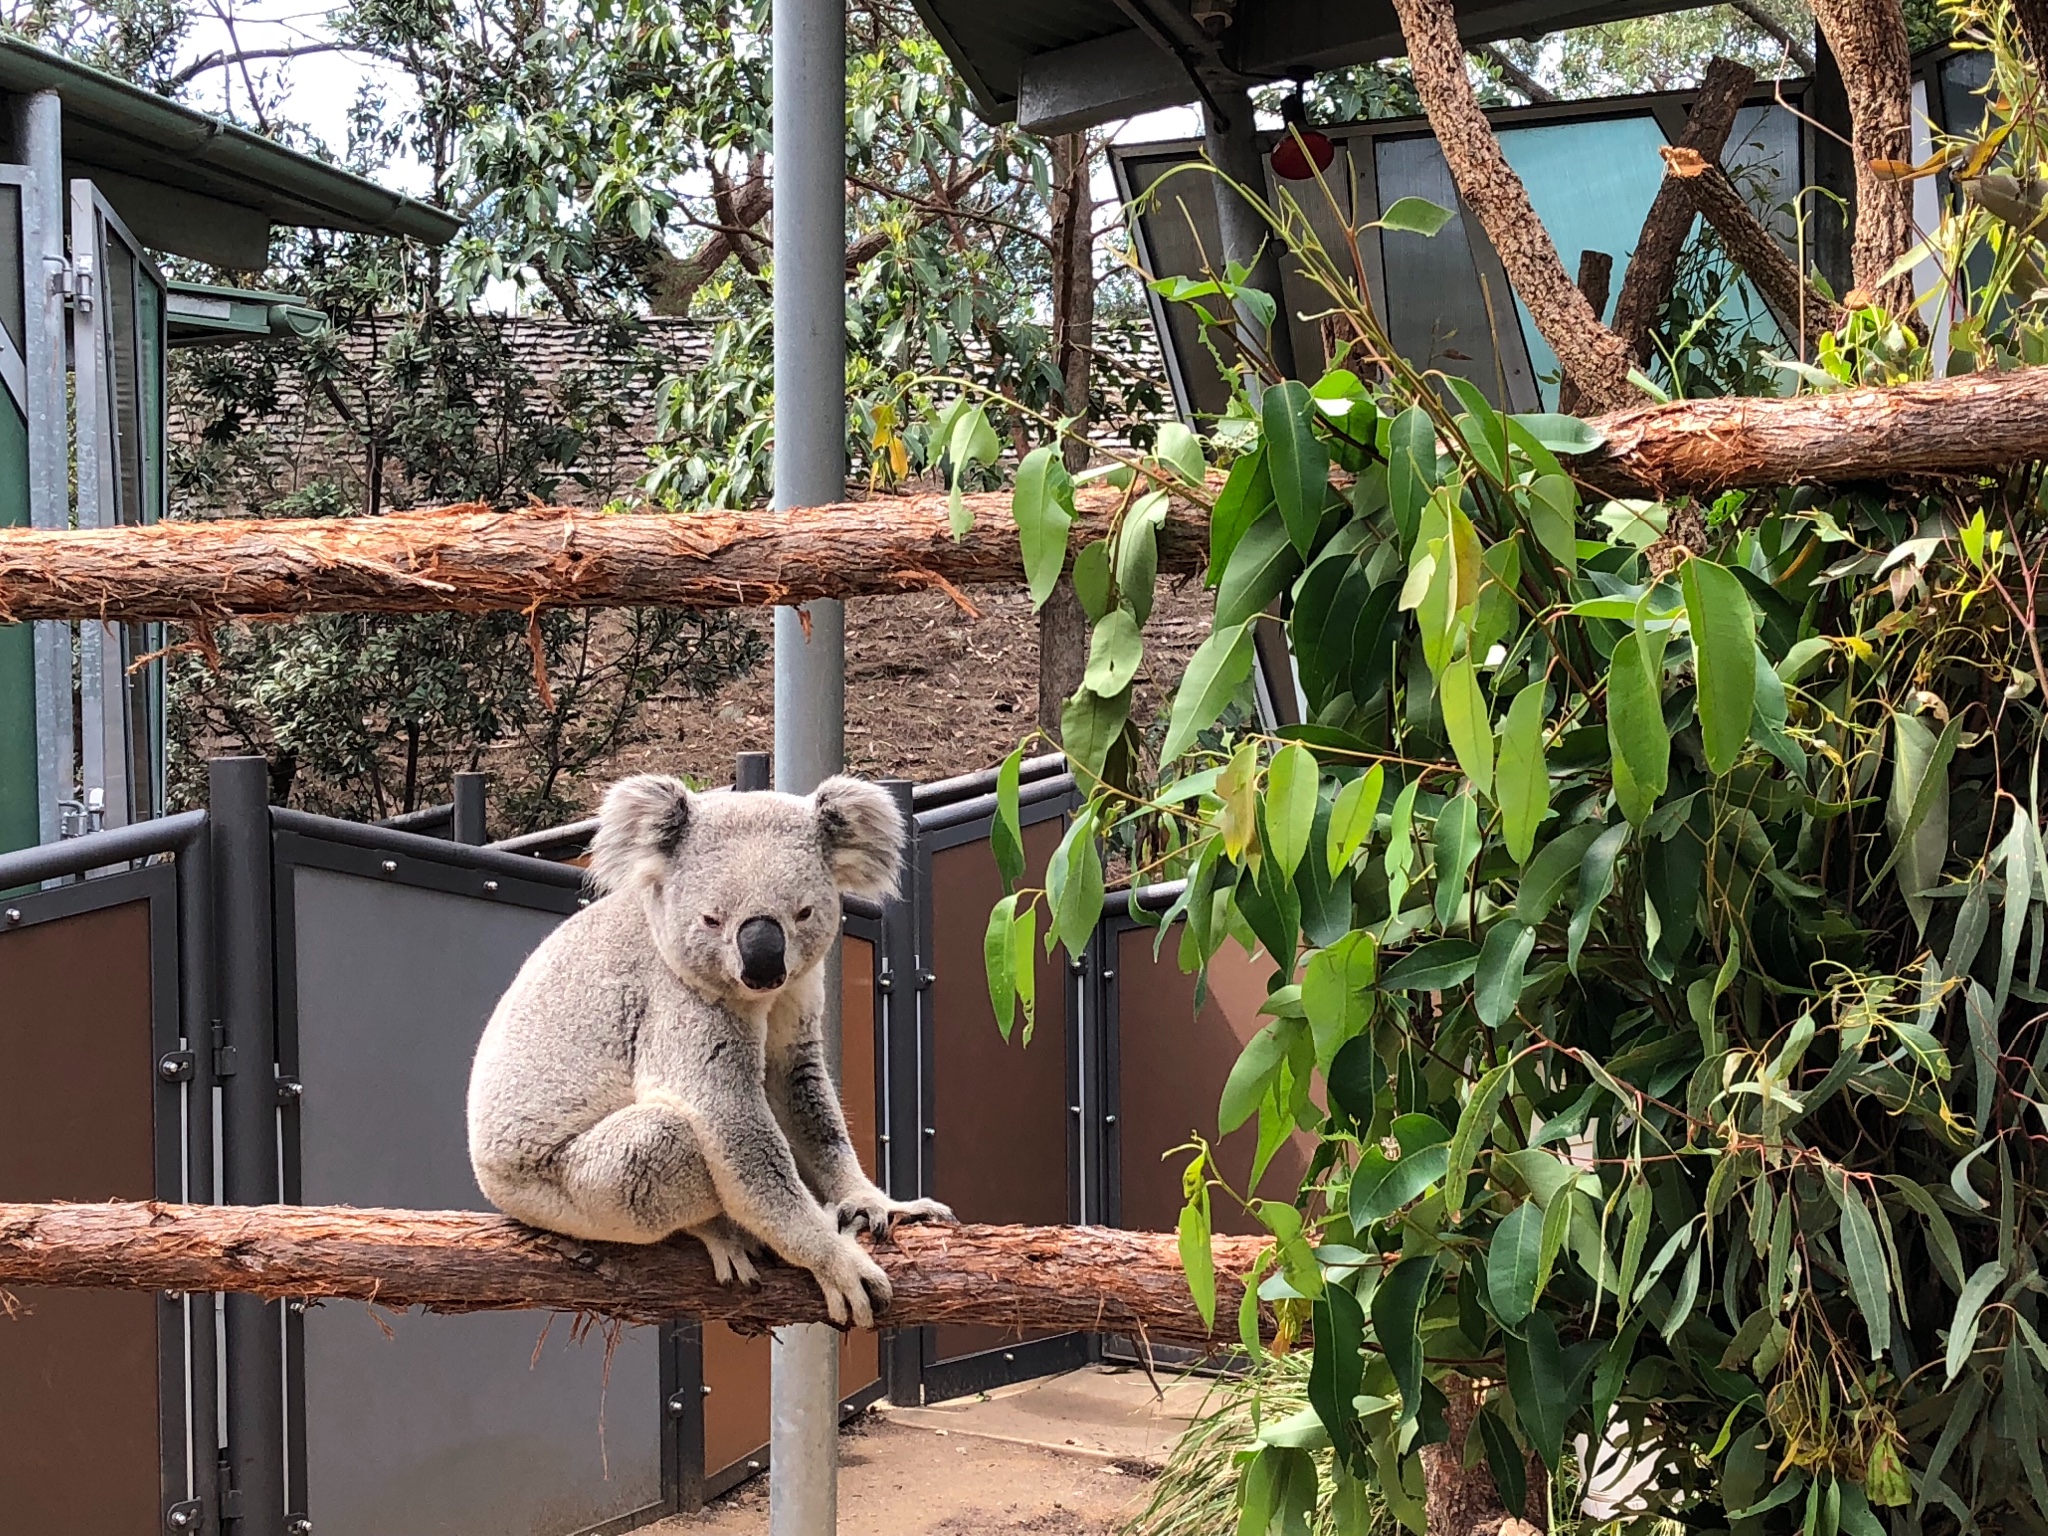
(1087, 1279)
(472, 559)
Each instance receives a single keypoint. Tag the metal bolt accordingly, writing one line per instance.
(704, 1390)
(174, 1296)
(182, 1517)
(299, 1525)
(582, 901)
(678, 1405)
(13, 916)
(298, 1306)
(885, 983)
(1074, 965)
(1073, 1109)
(169, 1069)
(490, 885)
(931, 1130)
(389, 866)
(1109, 973)
(1109, 1119)
(753, 1466)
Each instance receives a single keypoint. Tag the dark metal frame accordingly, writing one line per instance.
(180, 1066)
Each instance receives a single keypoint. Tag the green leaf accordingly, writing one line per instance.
(1411, 469)
(1089, 727)
(1434, 967)
(1136, 558)
(1561, 434)
(1636, 733)
(1091, 579)
(1397, 1324)
(1337, 995)
(1291, 782)
(1252, 1074)
(1262, 567)
(1336, 1374)
(1962, 1329)
(1043, 506)
(1522, 784)
(1181, 451)
(1466, 722)
(1916, 813)
(1382, 1185)
(1538, 1377)
(1863, 1257)
(972, 441)
(999, 961)
(1221, 665)
(1296, 459)
(1455, 844)
(1246, 495)
(1596, 881)
(1511, 1264)
(1073, 879)
(1114, 650)
(1502, 962)
(1724, 648)
(1351, 818)
(1024, 966)
(1475, 1124)
(1198, 1260)
(1415, 216)
(1005, 833)
(1553, 511)
(1556, 866)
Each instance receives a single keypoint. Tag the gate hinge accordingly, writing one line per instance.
(223, 1053)
(185, 1515)
(72, 280)
(176, 1066)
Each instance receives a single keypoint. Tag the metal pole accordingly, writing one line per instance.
(902, 1109)
(810, 660)
(39, 136)
(245, 1057)
(753, 770)
(466, 825)
(1233, 146)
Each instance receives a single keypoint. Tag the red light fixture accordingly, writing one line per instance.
(1303, 151)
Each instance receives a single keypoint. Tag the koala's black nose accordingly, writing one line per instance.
(761, 961)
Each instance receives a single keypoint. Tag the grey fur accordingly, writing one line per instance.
(630, 1086)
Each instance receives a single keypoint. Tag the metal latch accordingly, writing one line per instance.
(289, 1090)
(177, 1066)
(185, 1515)
(223, 1053)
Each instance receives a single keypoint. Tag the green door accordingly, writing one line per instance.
(17, 641)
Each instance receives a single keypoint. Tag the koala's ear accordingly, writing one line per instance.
(863, 836)
(639, 827)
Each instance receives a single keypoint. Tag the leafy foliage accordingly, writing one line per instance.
(1655, 903)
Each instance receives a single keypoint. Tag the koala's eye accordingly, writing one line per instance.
(711, 920)
(803, 914)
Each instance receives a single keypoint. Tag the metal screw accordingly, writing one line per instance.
(390, 866)
(1108, 974)
(299, 1525)
(1073, 1109)
(490, 885)
(704, 1389)
(298, 1306)
(931, 1130)
(174, 1296)
(169, 1069)
(1074, 965)
(182, 1517)
(753, 1466)
(677, 1405)
(582, 901)
(1109, 1119)
(13, 916)
(1008, 1356)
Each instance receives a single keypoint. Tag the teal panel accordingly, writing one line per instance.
(17, 655)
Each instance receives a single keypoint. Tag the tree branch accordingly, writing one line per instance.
(1646, 286)
(1588, 351)
(1868, 38)
(1083, 1279)
(1532, 89)
(1799, 53)
(1801, 308)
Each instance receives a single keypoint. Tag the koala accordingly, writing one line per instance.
(658, 1065)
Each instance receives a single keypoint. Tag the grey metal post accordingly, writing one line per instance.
(809, 38)
(245, 1056)
(753, 770)
(472, 799)
(902, 1079)
(1233, 147)
(39, 133)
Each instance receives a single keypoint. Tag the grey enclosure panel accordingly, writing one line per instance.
(457, 1426)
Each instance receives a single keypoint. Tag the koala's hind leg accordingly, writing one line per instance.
(635, 1177)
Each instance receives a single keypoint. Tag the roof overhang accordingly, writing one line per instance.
(195, 185)
(1057, 66)
(205, 314)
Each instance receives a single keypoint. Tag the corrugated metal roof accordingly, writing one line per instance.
(111, 123)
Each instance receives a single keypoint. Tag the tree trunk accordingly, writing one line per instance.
(1086, 1279)
(1801, 308)
(1596, 280)
(1868, 37)
(1464, 1501)
(1647, 285)
(1062, 623)
(2032, 19)
(472, 559)
(1589, 352)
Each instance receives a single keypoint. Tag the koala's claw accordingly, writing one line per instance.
(731, 1254)
(875, 1212)
(853, 1283)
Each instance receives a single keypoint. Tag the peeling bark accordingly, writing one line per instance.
(1589, 352)
(1646, 286)
(1868, 37)
(1086, 1279)
(1463, 1500)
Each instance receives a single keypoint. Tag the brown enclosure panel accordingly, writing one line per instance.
(736, 1367)
(78, 1375)
(1000, 1116)
(1171, 1067)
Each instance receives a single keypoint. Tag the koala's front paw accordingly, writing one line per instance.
(853, 1283)
(731, 1253)
(873, 1211)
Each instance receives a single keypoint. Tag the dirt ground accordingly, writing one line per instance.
(931, 691)
(1069, 1455)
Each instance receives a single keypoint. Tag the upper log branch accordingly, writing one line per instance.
(1802, 308)
(473, 559)
(1083, 1279)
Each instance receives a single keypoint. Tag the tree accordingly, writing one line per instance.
(1648, 903)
